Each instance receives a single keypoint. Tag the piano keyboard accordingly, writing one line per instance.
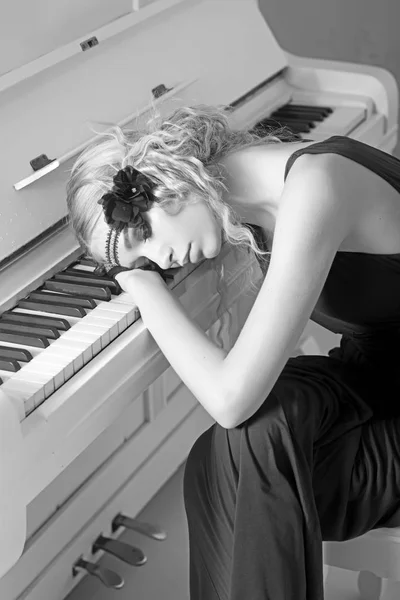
(316, 121)
(57, 329)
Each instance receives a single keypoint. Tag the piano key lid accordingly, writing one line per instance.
(169, 53)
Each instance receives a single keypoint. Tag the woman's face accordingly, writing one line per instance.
(188, 236)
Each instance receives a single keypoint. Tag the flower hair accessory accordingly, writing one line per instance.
(130, 196)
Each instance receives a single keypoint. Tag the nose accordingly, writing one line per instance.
(166, 261)
(162, 256)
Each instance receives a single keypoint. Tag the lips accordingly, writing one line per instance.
(186, 258)
(195, 259)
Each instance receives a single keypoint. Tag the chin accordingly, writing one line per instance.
(210, 255)
(214, 249)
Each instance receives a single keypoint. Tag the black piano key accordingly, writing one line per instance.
(51, 333)
(26, 339)
(300, 122)
(53, 307)
(75, 276)
(26, 319)
(321, 109)
(89, 291)
(9, 364)
(64, 299)
(288, 114)
(19, 354)
(324, 111)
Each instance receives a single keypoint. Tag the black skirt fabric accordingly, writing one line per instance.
(314, 463)
(320, 460)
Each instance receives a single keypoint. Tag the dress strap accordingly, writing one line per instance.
(316, 148)
(382, 163)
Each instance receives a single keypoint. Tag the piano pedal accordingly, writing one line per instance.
(129, 554)
(152, 531)
(109, 578)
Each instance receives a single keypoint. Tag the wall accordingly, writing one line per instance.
(363, 31)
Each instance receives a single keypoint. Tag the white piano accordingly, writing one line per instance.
(93, 421)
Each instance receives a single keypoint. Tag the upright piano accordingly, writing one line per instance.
(93, 421)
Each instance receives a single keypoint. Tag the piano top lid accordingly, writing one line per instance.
(224, 48)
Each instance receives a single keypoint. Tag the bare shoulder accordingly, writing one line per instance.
(362, 196)
(341, 176)
(332, 172)
(258, 171)
(334, 179)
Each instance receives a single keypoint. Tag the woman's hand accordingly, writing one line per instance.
(135, 281)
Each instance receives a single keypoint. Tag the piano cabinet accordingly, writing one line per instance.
(119, 472)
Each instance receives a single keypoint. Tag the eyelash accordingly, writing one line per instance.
(146, 231)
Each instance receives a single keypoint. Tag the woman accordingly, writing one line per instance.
(303, 449)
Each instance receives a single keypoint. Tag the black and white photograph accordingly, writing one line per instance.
(199, 300)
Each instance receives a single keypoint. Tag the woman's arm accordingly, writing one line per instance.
(195, 358)
(314, 218)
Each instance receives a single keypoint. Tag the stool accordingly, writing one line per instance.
(376, 556)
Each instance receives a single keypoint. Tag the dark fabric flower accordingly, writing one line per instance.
(130, 196)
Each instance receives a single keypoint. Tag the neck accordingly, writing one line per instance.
(254, 178)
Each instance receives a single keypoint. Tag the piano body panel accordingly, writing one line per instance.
(120, 485)
(32, 268)
(63, 426)
(121, 64)
(348, 78)
(120, 471)
(12, 505)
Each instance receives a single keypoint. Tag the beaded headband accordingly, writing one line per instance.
(130, 196)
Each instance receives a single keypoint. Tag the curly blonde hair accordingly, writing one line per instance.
(181, 156)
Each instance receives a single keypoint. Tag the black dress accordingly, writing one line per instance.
(320, 459)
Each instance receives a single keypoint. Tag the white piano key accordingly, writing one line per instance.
(4, 375)
(83, 329)
(129, 311)
(83, 346)
(40, 378)
(124, 298)
(126, 319)
(102, 327)
(79, 350)
(110, 326)
(87, 268)
(71, 357)
(53, 366)
(114, 317)
(91, 339)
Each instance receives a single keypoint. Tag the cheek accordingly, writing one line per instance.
(125, 257)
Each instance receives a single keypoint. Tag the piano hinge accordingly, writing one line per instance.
(242, 99)
(45, 235)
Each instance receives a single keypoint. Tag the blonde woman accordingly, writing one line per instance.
(303, 449)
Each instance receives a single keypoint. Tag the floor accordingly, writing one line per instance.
(165, 573)
(342, 585)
